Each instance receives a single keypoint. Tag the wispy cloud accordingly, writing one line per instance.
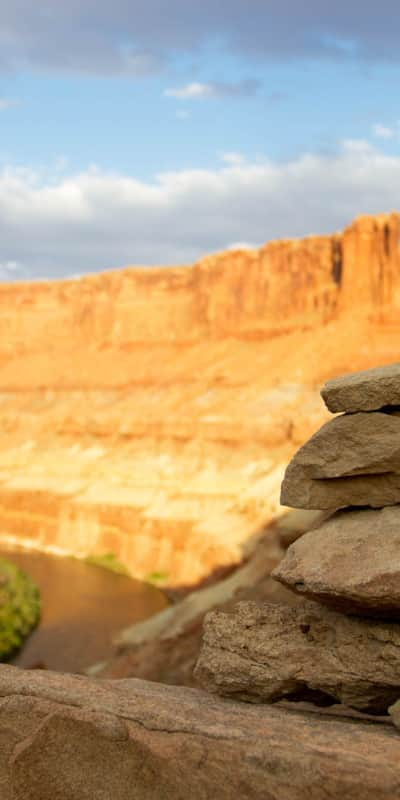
(201, 91)
(182, 113)
(385, 132)
(98, 220)
(236, 159)
(6, 103)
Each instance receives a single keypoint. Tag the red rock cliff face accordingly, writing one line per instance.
(282, 286)
(151, 412)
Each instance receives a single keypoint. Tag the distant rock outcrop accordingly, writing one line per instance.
(151, 412)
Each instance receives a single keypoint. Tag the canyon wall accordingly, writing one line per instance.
(151, 412)
(282, 286)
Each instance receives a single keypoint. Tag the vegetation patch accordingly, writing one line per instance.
(156, 578)
(19, 607)
(108, 561)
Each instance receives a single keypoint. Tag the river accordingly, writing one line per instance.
(83, 607)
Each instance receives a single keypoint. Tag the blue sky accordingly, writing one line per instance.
(155, 133)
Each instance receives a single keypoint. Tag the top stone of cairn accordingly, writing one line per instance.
(364, 391)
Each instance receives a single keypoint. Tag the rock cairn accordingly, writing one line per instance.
(342, 641)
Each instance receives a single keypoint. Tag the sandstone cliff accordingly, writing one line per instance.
(151, 412)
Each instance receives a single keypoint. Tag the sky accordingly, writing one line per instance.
(152, 133)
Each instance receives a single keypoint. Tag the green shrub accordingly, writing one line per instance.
(19, 608)
(108, 561)
(156, 577)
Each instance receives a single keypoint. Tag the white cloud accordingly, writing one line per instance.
(233, 158)
(190, 91)
(11, 271)
(6, 103)
(242, 246)
(383, 131)
(97, 220)
(201, 91)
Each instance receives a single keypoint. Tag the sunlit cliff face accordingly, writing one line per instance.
(151, 413)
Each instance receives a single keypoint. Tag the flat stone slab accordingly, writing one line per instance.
(264, 653)
(364, 391)
(351, 444)
(351, 563)
(300, 491)
(66, 737)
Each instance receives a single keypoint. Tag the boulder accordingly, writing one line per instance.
(300, 491)
(263, 653)
(364, 391)
(68, 737)
(351, 563)
(351, 444)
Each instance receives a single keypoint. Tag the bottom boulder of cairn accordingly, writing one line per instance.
(265, 653)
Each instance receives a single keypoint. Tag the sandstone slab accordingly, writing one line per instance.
(70, 738)
(364, 391)
(263, 653)
(351, 444)
(300, 491)
(351, 563)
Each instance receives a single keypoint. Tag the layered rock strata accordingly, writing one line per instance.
(349, 562)
(151, 411)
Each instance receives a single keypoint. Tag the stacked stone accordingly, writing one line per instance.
(343, 641)
(352, 561)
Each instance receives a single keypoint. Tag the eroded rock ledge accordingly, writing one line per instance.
(68, 737)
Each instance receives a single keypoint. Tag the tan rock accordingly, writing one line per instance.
(71, 738)
(376, 491)
(394, 712)
(263, 653)
(351, 563)
(351, 444)
(296, 523)
(364, 391)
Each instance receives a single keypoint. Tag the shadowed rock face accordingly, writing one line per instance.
(151, 412)
(71, 738)
(268, 652)
(351, 563)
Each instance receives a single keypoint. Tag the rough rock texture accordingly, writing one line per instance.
(351, 444)
(151, 412)
(364, 391)
(262, 653)
(351, 563)
(70, 738)
(165, 647)
(376, 491)
(297, 522)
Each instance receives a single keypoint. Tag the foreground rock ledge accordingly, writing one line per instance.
(68, 737)
(266, 652)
